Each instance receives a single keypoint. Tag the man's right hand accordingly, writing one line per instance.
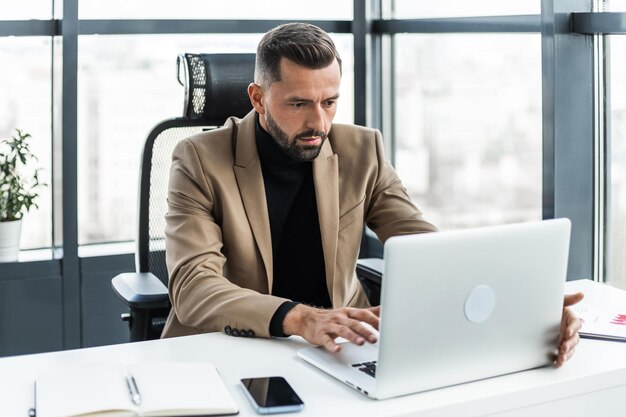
(321, 327)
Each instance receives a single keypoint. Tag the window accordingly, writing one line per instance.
(411, 9)
(26, 84)
(466, 132)
(127, 84)
(25, 9)
(468, 126)
(614, 5)
(214, 9)
(616, 267)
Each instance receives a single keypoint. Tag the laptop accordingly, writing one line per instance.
(460, 306)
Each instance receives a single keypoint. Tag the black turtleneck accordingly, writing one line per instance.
(297, 254)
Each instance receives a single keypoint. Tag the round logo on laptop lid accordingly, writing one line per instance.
(479, 304)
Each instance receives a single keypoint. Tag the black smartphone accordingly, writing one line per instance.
(271, 395)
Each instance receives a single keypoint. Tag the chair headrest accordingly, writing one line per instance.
(215, 84)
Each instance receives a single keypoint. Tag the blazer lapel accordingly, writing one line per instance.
(249, 176)
(326, 178)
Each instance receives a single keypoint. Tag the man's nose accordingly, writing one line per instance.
(317, 119)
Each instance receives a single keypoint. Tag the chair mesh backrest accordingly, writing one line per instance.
(157, 202)
(215, 89)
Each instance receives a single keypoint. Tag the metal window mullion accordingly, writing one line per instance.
(359, 30)
(595, 23)
(606, 160)
(486, 24)
(195, 26)
(388, 100)
(374, 100)
(568, 129)
(599, 152)
(72, 311)
(368, 65)
(29, 27)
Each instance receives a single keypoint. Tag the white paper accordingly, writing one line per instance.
(602, 321)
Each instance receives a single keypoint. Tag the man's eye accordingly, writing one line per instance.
(297, 105)
(330, 103)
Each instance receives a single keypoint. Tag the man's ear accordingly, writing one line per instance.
(255, 92)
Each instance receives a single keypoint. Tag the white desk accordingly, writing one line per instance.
(592, 383)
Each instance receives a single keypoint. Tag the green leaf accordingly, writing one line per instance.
(17, 187)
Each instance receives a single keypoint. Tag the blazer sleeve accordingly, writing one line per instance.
(202, 297)
(390, 211)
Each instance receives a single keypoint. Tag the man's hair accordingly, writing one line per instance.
(302, 43)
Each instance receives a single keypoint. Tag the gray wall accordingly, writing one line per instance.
(101, 309)
(31, 316)
(31, 302)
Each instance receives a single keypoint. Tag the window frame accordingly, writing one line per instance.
(574, 134)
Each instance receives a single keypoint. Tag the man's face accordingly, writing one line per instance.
(299, 109)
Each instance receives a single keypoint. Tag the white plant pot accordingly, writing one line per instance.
(10, 240)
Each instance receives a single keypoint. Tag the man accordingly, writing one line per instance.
(265, 214)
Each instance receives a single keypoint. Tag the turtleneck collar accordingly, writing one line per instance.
(270, 152)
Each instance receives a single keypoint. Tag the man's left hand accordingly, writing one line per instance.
(570, 325)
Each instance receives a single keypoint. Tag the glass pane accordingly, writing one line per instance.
(215, 9)
(468, 127)
(616, 232)
(411, 9)
(614, 5)
(25, 103)
(126, 85)
(25, 9)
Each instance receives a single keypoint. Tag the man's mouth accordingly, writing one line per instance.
(313, 140)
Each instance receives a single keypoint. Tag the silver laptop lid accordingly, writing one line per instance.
(470, 304)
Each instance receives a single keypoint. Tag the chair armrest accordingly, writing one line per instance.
(371, 269)
(141, 290)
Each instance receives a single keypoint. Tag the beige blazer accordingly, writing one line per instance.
(218, 241)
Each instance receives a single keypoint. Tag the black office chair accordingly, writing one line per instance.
(215, 89)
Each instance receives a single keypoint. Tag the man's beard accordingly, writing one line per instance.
(299, 152)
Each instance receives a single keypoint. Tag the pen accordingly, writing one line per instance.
(32, 412)
(132, 389)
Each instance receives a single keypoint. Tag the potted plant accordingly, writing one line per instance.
(18, 191)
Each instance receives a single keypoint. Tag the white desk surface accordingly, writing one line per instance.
(593, 382)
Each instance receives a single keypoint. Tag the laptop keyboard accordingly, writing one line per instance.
(367, 367)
